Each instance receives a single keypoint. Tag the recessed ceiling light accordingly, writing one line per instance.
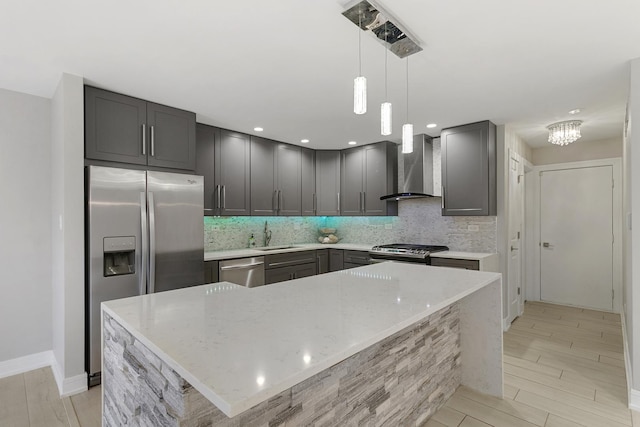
(258, 129)
(304, 141)
(431, 125)
(576, 111)
(352, 143)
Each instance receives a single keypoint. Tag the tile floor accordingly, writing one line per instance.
(563, 366)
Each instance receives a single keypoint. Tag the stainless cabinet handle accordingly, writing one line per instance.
(274, 201)
(442, 197)
(364, 201)
(339, 202)
(315, 204)
(144, 139)
(293, 262)
(224, 197)
(218, 193)
(280, 201)
(153, 142)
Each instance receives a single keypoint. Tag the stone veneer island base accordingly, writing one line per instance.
(401, 379)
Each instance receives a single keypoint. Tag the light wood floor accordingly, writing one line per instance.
(563, 367)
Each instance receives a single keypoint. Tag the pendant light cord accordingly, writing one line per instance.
(386, 97)
(359, 42)
(407, 89)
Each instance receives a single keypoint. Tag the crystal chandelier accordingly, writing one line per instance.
(564, 133)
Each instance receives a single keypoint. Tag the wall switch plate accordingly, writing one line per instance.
(473, 228)
(388, 226)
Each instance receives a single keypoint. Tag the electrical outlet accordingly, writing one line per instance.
(388, 226)
(473, 228)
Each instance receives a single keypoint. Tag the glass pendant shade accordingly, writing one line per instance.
(407, 138)
(385, 118)
(360, 95)
(564, 133)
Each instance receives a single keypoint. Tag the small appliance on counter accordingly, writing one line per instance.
(405, 252)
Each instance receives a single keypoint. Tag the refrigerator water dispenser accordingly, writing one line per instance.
(119, 255)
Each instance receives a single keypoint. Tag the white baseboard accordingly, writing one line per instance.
(634, 399)
(633, 396)
(505, 325)
(28, 363)
(68, 386)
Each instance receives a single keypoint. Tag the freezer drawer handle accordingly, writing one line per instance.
(239, 267)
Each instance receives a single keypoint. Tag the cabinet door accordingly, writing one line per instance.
(322, 261)
(280, 274)
(351, 187)
(115, 127)
(206, 137)
(336, 259)
(308, 183)
(211, 271)
(232, 159)
(356, 257)
(375, 179)
(327, 182)
(304, 270)
(469, 169)
(172, 137)
(289, 179)
(263, 177)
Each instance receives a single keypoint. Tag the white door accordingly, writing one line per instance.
(576, 237)
(514, 272)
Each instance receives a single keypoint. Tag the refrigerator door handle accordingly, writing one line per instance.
(152, 244)
(144, 262)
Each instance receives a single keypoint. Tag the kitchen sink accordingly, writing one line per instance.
(273, 248)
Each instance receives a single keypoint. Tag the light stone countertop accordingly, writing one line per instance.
(239, 346)
(297, 247)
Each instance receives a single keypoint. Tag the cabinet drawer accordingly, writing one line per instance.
(282, 274)
(291, 258)
(467, 264)
(356, 257)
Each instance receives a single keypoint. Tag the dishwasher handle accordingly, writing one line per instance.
(241, 266)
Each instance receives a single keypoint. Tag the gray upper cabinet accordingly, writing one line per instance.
(206, 139)
(172, 137)
(328, 183)
(124, 129)
(309, 200)
(232, 173)
(263, 177)
(368, 173)
(289, 179)
(275, 178)
(469, 169)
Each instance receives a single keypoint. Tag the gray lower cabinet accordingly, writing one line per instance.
(355, 259)
(328, 183)
(336, 259)
(276, 178)
(123, 129)
(233, 173)
(468, 264)
(322, 261)
(288, 266)
(368, 173)
(469, 169)
(308, 203)
(211, 272)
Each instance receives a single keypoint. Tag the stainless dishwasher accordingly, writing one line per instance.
(247, 272)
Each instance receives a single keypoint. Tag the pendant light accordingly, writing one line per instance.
(360, 82)
(385, 107)
(407, 128)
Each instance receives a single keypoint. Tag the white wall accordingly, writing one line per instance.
(67, 221)
(25, 262)
(632, 239)
(578, 151)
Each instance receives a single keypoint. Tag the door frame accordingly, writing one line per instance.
(532, 206)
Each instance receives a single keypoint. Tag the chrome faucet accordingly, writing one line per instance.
(267, 234)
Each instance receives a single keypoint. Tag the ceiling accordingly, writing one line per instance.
(288, 65)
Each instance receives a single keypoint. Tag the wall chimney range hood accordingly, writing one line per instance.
(418, 170)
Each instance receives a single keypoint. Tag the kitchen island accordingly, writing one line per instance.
(388, 342)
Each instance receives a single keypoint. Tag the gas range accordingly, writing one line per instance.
(405, 252)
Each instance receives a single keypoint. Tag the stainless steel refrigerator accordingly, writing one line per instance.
(145, 233)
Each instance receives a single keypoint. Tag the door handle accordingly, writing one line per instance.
(513, 248)
(153, 142)
(144, 237)
(224, 197)
(152, 244)
(274, 201)
(338, 203)
(280, 201)
(241, 267)
(364, 201)
(442, 197)
(547, 245)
